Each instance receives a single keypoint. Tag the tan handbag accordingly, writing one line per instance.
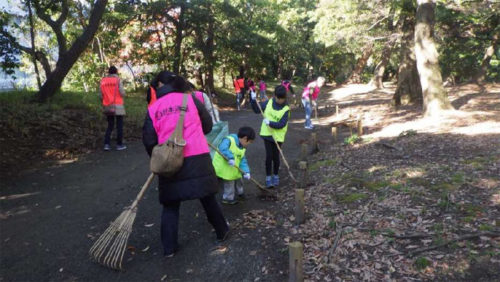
(167, 158)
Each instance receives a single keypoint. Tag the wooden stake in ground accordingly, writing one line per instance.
(314, 143)
(110, 247)
(334, 133)
(303, 152)
(277, 145)
(303, 168)
(295, 250)
(360, 126)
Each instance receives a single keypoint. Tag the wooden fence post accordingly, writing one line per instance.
(296, 251)
(303, 168)
(303, 152)
(360, 126)
(334, 133)
(299, 206)
(336, 110)
(314, 143)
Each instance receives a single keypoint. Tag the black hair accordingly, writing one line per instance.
(246, 131)
(280, 92)
(175, 81)
(112, 70)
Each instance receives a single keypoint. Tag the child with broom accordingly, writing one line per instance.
(274, 128)
(233, 148)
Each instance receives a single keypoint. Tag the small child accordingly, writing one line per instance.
(274, 125)
(233, 147)
(262, 90)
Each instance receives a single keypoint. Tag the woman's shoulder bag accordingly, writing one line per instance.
(167, 158)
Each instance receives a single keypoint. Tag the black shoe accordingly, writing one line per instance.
(242, 197)
(225, 237)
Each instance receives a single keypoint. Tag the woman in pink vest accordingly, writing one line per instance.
(309, 97)
(196, 179)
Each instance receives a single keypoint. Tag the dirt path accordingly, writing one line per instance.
(50, 217)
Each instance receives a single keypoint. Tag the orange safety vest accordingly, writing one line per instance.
(153, 98)
(110, 89)
(236, 87)
(241, 83)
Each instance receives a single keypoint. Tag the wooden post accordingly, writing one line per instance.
(303, 168)
(337, 111)
(299, 206)
(303, 152)
(314, 142)
(334, 133)
(296, 251)
(360, 126)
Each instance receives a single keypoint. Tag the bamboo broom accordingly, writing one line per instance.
(110, 247)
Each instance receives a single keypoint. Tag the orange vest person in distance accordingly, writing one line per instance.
(110, 89)
(153, 96)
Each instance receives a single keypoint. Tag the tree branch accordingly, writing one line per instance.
(55, 25)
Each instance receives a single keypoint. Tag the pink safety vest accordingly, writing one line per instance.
(199, 96)
(262, 85)
(286, 85)
(315, 93)
(165, 113)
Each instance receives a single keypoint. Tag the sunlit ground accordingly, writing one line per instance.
(476, 112)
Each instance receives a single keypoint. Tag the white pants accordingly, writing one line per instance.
(229, 189)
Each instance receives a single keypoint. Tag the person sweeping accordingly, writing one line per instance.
(275, 124)
(196, 178)
(309, 98)
(233, 149)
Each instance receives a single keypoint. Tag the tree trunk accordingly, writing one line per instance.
(68, 59)
(178, 40)
(488, 54)
(33, 54)
(224, 76)
(434, 95)
(360, 65)
(408, 90)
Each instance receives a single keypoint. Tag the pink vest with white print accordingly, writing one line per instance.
(165, 114)
(315, 93)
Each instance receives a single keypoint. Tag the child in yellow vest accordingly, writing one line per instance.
(233, 148)
(274, 126)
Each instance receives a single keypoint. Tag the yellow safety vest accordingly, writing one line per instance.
(275, 116)
(222, 168)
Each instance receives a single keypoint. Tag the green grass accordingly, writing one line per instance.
(351, 198)
(324, 163)
(422, 263)
(20, 108)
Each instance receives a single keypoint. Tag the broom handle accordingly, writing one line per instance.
(143, 190)
(277, 145)
(253, 180)
(137, 199)
(212, 104)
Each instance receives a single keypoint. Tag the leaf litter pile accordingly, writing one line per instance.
(418, 206)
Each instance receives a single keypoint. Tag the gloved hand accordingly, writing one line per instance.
(246, 176)
(266, 121)
(231, 162)
(253, 95)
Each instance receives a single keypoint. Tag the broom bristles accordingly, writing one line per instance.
(110, 247)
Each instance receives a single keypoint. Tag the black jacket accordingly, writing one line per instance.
(196, 178)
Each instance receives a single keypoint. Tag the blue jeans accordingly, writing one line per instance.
(308, 109)
(262, 94)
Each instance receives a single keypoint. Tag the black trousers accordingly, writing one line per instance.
(119, 129)
(170, 222)
(272, 157)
